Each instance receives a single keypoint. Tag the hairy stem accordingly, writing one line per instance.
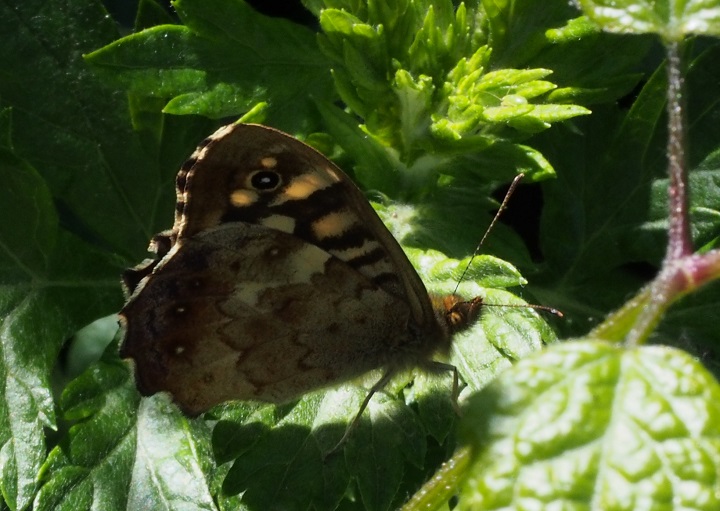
(679, 244)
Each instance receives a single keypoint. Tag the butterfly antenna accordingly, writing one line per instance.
(551, 310)
(502, 207)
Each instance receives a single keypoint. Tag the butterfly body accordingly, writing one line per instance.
(277, 278)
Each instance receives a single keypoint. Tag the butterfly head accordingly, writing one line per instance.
(455, 313)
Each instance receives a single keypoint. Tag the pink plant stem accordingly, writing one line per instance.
(673, 279)
(679, 243)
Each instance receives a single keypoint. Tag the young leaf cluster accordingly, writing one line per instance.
(421, 77)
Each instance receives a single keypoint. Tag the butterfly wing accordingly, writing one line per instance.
(314, 201)
(277, 278)
(242, 311)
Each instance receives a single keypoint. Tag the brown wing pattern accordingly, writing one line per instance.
(277, 278)
(269, 322)
(314, 200)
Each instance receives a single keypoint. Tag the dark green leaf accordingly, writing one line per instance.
(600, 251)
(50, 285)
(226, 58)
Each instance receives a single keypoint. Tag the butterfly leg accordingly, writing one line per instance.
(435, 367)
(379, 385)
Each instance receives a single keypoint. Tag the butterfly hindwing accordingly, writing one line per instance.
(266, 323)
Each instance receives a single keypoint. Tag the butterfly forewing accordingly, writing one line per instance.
(314, 200)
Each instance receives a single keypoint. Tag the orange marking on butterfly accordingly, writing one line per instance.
(302, 186)
(242, 198)
(269, 162)
(333, 224)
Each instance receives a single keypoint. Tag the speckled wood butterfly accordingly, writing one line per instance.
(276, 279)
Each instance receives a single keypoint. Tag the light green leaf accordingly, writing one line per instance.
(169, 470)
(672, 20)
(588, 425)
(50, 285)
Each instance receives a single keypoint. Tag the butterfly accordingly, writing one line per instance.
(276, 279)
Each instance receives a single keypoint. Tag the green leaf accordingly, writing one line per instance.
(506, 332)
(61, 155)
(442, 97)
(587, 424)
(124, 456)
(517, 28)
(611, 209)
(77, 144)
(38, 315)
(171, 460)
(594, 67)
(226, 58)
(284, 464)
(151, 13)
(50, 285)
(374, 168)
(94, 468)
(671, 20)
(27, 195)
(589, 66)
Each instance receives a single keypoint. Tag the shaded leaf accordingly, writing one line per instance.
(225, 59)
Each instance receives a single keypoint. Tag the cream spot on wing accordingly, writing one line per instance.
(298, 268)
(248, 292)
(277, 148)
(241, 197)
(379, 268)
(354, 252)
(306, 262)
(302, 186)
(221, 132)
(333, 224)
(279, 223)
(269, 162)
